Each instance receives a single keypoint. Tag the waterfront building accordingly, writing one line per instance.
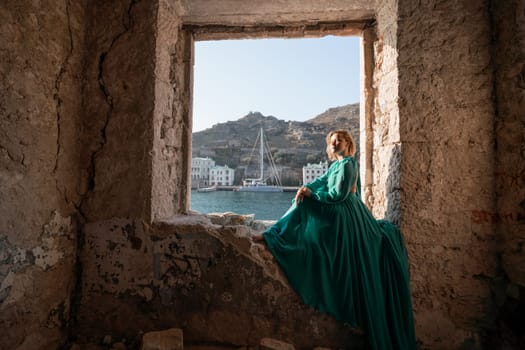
(311, 171)
(200, 171)
(221, 176)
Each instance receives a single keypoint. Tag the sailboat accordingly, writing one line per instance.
(259, 184)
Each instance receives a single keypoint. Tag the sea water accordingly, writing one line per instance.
(265, 205)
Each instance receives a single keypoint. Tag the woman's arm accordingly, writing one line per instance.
(340, 183)
(319, 182)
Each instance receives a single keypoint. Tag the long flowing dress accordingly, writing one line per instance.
(344, 262)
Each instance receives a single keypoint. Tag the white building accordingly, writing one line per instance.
(200, 171)
(221, 176)
(311, 171)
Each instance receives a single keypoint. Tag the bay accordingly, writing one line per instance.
(265, 205)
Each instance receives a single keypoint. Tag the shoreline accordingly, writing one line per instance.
(232, 188)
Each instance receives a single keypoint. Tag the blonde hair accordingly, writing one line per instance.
(346, 136)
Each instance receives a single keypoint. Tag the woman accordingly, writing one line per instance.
(340, 259)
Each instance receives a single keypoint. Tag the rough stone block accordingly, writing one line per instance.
(119, 346)
(170, 339)
(274, 344)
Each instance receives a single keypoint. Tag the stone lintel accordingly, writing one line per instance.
(314, 29)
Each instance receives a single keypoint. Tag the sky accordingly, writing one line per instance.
(290, 79)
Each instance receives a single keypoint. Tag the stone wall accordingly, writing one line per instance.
(231, 12)
(40, 104)
(383, 196)
(435, 167)
(118, 107)
(172, 117)
(203, 275)
(94, 143)
(508, 214)
(446, 167)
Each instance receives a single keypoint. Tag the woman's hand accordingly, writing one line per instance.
(301, 193)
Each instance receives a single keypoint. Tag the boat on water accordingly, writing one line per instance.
(207, 189)
(255, 186)
(260, 184)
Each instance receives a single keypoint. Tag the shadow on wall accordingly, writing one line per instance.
(392, 190)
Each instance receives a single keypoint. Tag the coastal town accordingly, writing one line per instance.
(205, 173)
(259, 153)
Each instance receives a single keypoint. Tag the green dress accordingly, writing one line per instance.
(344, 262)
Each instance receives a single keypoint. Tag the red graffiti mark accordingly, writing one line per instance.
(511, 180)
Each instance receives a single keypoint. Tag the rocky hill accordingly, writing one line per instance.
(345, 116)
(292, 143)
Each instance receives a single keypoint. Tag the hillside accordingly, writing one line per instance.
(345, 116)
(293, 143)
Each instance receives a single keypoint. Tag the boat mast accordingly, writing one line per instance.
(262, 155)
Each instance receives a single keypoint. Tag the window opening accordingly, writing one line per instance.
(275, 98)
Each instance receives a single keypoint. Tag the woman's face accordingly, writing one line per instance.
(338, 145)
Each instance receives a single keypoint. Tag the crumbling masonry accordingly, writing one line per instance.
(95, 143)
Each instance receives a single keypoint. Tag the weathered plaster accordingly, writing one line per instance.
(198, 273)
(446, 167)
(118, 108)
(385, 112)
(40, 98)
(229, 12)
(171, 119)
(94, 142)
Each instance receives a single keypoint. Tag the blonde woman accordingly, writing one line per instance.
(340, 259)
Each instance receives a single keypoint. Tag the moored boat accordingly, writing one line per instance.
(259, 184)
(207, 189)
(255, 186)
